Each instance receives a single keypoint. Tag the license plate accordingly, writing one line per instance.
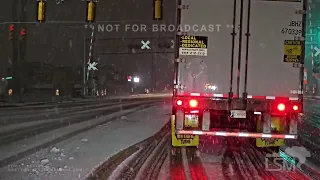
(191, 120)
(268, 142)
(238, 114)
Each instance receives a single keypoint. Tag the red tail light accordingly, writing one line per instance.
(193, 103)
(179, 102)
(295, 108)
(281, 107)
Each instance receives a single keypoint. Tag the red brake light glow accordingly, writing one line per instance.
(193, 103)
(295, 107)
(281, 107)
(179, 102)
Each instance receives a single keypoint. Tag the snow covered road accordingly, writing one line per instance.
(75, 157)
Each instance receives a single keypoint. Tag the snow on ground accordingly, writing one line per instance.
(31, 142)
(164, 173)
(212, 166)
(211, 155)
(73, 158)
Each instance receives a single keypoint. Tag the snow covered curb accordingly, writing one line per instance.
(95, 172)
(149, 159)
(97, 167)
(117, 172)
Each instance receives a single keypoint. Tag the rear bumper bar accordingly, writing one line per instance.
(237, 134)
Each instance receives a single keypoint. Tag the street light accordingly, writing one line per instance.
(136, 79)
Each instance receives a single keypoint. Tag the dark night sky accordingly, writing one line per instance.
(60, 40)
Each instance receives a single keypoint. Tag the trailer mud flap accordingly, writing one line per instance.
(182, 140)
(277, 125)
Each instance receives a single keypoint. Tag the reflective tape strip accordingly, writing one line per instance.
(293, 98)
(249, 96)
(257, 97)
(243, 134)
(238, 134)
(195, 94)
(266, 135)
(218, 95)
(198, 132)
(270, 97)
(290, 137)
(221, 134)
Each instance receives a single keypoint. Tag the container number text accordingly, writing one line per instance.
(291, 31)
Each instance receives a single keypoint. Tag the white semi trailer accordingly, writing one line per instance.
(238, 70)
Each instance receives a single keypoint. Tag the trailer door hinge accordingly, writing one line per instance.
(299, 38)
(297, 65)
(300, 11)
(183, 6)
(181, 60)
(179, 86)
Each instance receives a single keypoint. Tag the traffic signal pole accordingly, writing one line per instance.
(22, 45)
(15, 51)
(157, 16)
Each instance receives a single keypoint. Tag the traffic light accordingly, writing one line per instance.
(22, 33)
(41, 11)
(11, 31)
(157, 9)
(91, 11)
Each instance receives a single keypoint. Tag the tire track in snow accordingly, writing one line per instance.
(176, 165)
(229, 168)
(195, 164)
